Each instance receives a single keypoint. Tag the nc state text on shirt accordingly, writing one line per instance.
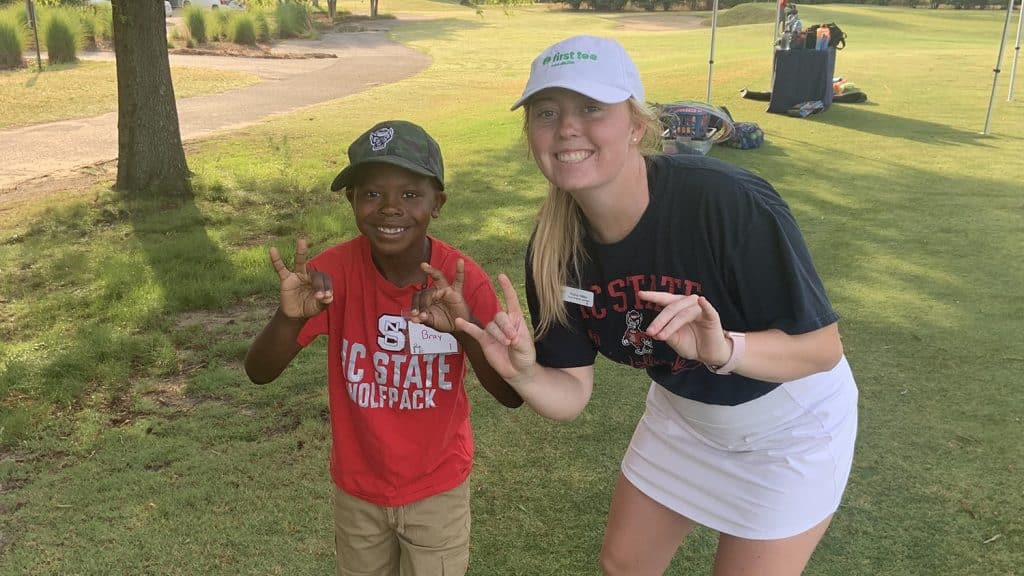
(403, 381)
(620, 293)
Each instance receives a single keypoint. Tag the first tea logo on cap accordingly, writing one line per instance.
(379, 138)
(562, 58)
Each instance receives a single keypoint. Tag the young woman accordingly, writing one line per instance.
(694, 270)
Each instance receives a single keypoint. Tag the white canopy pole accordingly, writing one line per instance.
(999, 60)
(711, 58)
(776, 32)
(778, 18)
(1016, 50)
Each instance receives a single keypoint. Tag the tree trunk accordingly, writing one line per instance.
(151, 159)
(332, 9)
(373, 8)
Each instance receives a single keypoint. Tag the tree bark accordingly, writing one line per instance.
(332, 9)
(373, 8)
(151, 159)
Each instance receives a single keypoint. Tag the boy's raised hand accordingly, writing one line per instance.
(506, 341)
(303, 294)
(439, 305)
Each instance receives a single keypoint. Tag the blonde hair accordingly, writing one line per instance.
(558, 237)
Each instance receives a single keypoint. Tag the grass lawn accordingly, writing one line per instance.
(89, 88)
(131, 441)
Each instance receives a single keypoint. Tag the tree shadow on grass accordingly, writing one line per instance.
(189, 267)
(439, 29)
(863, 119)
(920, 264)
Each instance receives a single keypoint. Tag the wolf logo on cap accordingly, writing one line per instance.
(379, 138)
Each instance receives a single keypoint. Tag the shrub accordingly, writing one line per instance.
(262, 27)
(12, 43)
(62, 38)
(607, 5)
(97, 25)
(243, 30)
(17, 14)
(195, 21)
(259, 5)
(218, 24)
(292, 19)
(87, 22)
(20, 13)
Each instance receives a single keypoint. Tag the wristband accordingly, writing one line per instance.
(739, 345)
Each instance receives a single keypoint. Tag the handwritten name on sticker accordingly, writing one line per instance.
(425, 340)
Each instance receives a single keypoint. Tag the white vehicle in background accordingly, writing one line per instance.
(216, 4)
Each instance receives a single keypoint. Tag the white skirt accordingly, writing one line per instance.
(770, 468)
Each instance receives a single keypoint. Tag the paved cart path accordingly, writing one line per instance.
(36, 159)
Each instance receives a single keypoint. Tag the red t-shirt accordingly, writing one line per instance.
(400, 422)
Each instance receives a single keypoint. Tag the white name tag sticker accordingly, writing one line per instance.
(577, 296)
(425, 340)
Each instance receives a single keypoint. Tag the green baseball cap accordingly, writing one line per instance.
(396, 142)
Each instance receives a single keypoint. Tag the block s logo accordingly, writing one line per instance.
(391, 333)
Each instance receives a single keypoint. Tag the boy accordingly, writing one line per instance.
(402, 445)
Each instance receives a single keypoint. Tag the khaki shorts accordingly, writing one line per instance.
(426, 538)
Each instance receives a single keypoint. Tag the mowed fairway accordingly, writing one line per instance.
(131, 441)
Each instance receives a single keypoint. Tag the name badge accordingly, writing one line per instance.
(425, 340)
(577, 296)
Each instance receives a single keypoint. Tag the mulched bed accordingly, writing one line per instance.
(248, 52)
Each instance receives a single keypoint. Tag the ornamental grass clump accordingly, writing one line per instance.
(62, 38)
(243, 30)
(97, 25)
(262, 28)
(218, 24)
(292, 20)
(195, 21)
(12, 43)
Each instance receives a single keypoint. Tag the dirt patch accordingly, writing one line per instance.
(213, 320)
(65, 183)
(170, 393)
(12, 484)
(5, 542)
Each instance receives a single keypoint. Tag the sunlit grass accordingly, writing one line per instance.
(123, 324)
(89, 88)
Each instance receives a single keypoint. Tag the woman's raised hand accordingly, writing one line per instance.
(506, 340)
(689, 325)
(304, 294)
(440, 304)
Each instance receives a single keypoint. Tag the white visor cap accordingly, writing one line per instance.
(598, 68)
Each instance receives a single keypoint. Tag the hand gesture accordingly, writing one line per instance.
(440, 304)
(506, 341)
(689, 325)
(303, 294)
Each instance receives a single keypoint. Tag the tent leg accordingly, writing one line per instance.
(779, 9)
(1016, 50)
(999, 60)
(711, 58)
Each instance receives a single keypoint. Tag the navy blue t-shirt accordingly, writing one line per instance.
(712, 229)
